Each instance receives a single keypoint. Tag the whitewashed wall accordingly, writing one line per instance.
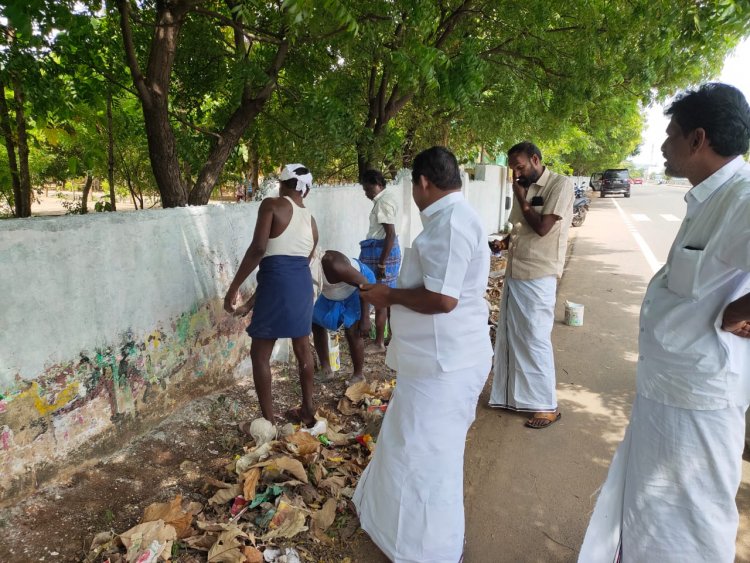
(102, 314)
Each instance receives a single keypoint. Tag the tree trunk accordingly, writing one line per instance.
(85, 194)
(250, 106)
(23, 203)
(153, 93)
(10, 147)
(110, 152)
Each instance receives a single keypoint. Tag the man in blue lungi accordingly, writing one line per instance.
(284, 240)
(339, 305)
(380, 251)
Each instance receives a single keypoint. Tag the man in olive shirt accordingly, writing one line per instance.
(524, 364)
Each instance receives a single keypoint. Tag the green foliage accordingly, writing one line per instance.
(363, 83)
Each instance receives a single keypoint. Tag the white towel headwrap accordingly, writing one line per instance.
(304, 181)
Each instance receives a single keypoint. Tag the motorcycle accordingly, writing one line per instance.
(580, 205)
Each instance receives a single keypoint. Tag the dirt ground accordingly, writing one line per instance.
(191, 446)
(181, 456)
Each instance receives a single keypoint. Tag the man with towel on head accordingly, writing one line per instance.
(339, 305)
(410, 497)
(284, 240)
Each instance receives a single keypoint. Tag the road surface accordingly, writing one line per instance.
(528, 492)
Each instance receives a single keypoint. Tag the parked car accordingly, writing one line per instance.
(596, 181)
(615, 181)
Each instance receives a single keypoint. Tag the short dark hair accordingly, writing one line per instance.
(526, 147)
(291, 183)
(721, 110)
(439, 166)
(372, 177)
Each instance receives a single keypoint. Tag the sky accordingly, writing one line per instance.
(734, 73)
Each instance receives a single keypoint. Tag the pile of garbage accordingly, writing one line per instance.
(284, 499)
(494, 291)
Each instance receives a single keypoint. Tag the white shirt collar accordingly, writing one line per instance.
(380, 194)
(441, 204)
(701, 192)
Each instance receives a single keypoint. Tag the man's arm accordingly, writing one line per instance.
(418, 299)
(390, 240)
(315, 238)
(736, 317)
(542, 224)
(254, 253)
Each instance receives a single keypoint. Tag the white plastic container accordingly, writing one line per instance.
(334, 357)
(573, 314)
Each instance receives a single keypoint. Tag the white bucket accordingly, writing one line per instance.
(573, 314)
(334, 358)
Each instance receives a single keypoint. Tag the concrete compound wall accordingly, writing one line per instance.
(108, 321)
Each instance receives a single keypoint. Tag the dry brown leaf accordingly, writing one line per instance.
(329, 415)
(228, 549)
(288, 521)
(355, 393)
(138, 538)
(225, 495)
(318, 472)
(346, 408)
(216, 483)
(250, 482)
(338, 439)
(172, 514)
(252, 555)
(286, 464)
(324, 517)
(302, 443)
(203, 542)
(333, 484)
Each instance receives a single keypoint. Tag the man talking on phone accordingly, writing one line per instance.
(524, 365)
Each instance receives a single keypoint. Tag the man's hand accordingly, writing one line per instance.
(229, 300)
(364, 326)
(378, 295)
(245, 308)
(738, 328)
(519, 191)
(380, 272)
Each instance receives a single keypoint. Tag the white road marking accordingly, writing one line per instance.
(653, 263)
(640, 217)
(670, 217)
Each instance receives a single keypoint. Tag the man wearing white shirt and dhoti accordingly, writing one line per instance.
(670, 491)
(410, 496)
(524, 378)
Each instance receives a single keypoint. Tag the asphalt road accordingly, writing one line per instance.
(529, 493)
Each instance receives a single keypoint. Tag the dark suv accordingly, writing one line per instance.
(615, 181)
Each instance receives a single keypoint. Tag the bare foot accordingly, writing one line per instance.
(326, 375)
(372, 349)
(356, 378)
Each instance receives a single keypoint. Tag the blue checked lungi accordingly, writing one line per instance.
(332, 314)
(284, 298)
(370, 250)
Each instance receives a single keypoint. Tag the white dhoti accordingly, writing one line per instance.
(670, 491)
(410, 496)
(524, 366)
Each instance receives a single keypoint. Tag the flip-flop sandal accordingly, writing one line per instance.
(550, 417)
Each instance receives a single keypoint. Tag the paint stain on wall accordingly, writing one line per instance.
(74, 401)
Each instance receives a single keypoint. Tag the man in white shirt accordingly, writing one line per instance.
(670, 492)
(410, 496)
(380, 250)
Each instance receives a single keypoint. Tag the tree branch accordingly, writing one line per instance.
(123, 7)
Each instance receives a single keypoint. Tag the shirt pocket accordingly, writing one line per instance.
(684, 270)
